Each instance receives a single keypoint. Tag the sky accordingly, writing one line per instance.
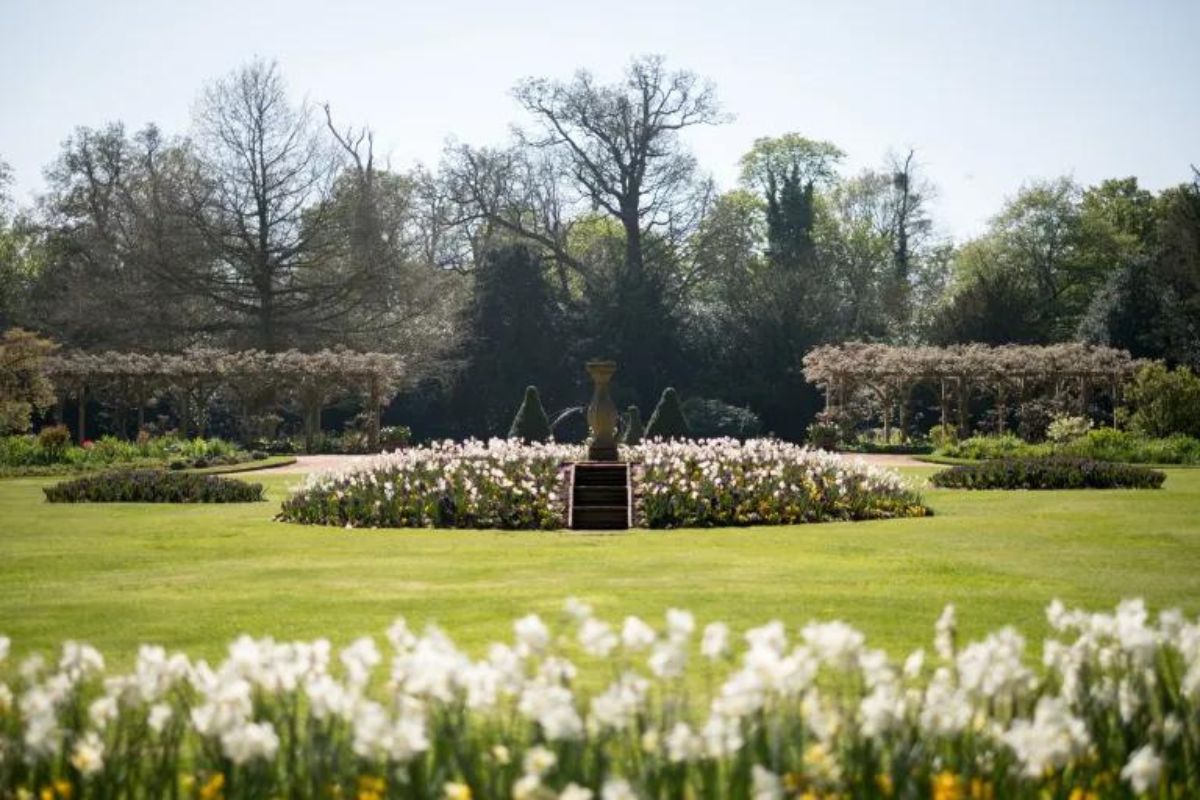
(990, 94)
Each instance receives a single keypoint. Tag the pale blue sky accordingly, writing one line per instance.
(990, 94)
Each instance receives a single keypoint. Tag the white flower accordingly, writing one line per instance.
(914, 663)
(538, 761)
(1143, 770)
(597, 638)
(528, 787)
(669, 659)
(574, 791)
(617, 789)
(944, 633)
(5, 645)
(766, 784)
(835, 643)
(683, 744)
(714, 644)
(1050, 740)
(533, 637)
(636, 635)
(680, 624)
(576, 609)
(251, 741)
(160, 714)
(88, 754)
(102, 711)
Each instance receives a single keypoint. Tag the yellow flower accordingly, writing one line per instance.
(63, 789)
(213, 787)
(946, 786)
(1083, 794)
(457, 791)
(982, 790)
(884, 782)
(371, 787)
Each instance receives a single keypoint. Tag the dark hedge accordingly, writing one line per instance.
(1048, 473)
(151, 486)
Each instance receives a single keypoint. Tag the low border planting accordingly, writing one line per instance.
(1048, 473)
(153, 486)
(509, 485)
(587, 709)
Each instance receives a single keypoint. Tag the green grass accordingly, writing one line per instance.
(194, 577)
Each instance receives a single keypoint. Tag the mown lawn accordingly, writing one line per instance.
(194, 577)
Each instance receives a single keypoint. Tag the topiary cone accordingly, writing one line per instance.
(668, 421)
(531, 423)
(633, 427)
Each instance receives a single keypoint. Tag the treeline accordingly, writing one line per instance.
(271, 224)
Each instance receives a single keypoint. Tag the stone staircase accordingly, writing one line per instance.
(601, 496)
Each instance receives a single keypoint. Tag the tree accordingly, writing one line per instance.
(668, 421)
(265, 213)
(530, 423)
(512, 336)
(118, 249)
(620, 145)
(634, 431)
(24, 386)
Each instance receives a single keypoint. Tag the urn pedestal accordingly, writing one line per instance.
(602, 413)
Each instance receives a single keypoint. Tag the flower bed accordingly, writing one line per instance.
(762, 482)
(495, 484)
(1112, 712)
(1048, 473)
(152, 486)
(506, 484)
(52, 453)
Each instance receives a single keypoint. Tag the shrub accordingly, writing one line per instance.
(942, 435)
(1101, 444)
(632, 435)
(1048, 473)
(54, 439)
(1065, 429)
(153, 486)
(1165, 402)
(668, 420)
(393, 437)
(687, 710)
(531, 423)
(710, 419)
(824, 436)
(723, 482)
(1005, 445)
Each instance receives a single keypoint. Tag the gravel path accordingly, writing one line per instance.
(321, 463)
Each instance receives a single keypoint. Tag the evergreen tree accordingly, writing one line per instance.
(512, 337)
(531, 423)
(668, 421)
(633, 427)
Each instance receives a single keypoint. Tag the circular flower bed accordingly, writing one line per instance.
(505, 484)
(685, 712)
(762, 482)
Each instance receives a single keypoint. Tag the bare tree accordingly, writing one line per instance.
(621, 146)
(266, 214)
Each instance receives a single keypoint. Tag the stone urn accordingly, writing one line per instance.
(602, 413)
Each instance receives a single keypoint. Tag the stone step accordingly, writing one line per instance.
(601, 475)
(601, 518)
(600, 495)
